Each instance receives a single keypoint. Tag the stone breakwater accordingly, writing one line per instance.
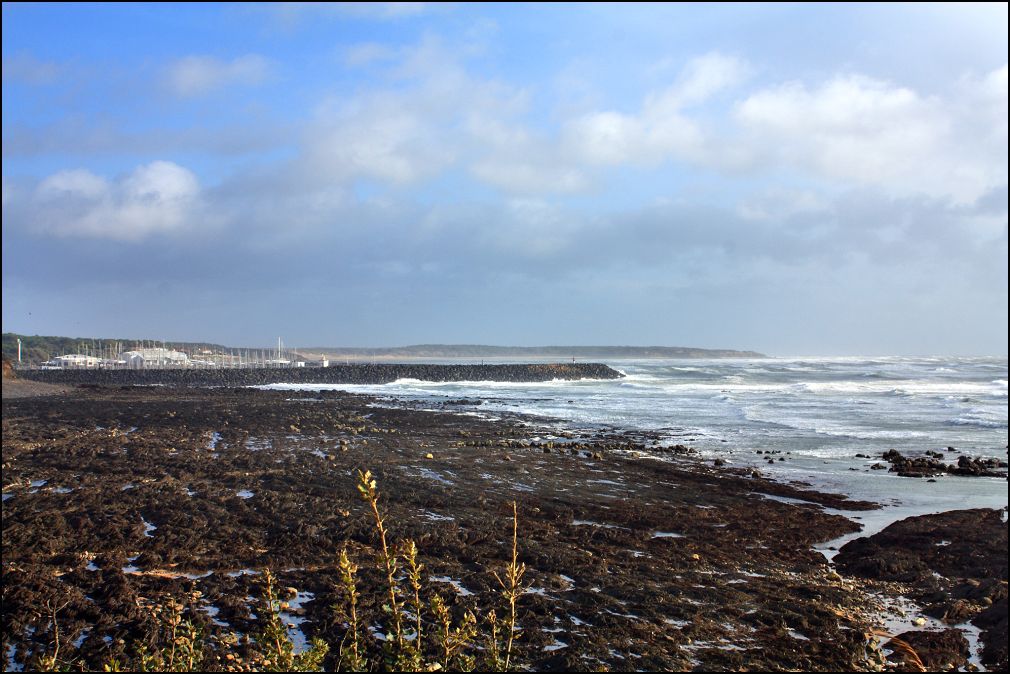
(335, 374)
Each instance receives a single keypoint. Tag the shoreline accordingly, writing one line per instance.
(742, 544)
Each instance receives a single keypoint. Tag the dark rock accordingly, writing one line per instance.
(955, 544)
(939, 651)
(931, 466)
(993, 622)
(956, 562)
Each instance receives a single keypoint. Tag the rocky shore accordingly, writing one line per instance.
(954, 564)
(115, 496)
(932, 464)
(357, 373)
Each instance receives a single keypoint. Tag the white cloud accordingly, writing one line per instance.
(703, 78)
(381, 137)
(160, 197)
(865, 131)
(847, 131)
(24, 67)
(661, 130)
(198, 75)
(608, 137)
(360, 55)
(432, 120)
(293, 13)
(986, 98)
(76, 182)
(533, 228)
(777, 204)
(522, 176)
(513, 159)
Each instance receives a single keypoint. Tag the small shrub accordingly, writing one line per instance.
(275, 650)
(450, 644)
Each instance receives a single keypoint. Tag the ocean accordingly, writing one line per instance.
(816, 413)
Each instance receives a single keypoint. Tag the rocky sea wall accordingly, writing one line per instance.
(360, 373)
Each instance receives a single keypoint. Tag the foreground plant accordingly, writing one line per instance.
(435, 640)
(369, 493)
(512, 585)
(426, 633)
(174, 644)
(351, 653)
(276, 650)
(51, 661)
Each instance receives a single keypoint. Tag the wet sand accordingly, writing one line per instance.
(637, 559)
(20, 388)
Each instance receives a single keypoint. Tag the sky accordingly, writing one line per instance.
(787, 178)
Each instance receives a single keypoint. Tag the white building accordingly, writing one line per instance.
(277, 362)
(73, 360)
(154, 357)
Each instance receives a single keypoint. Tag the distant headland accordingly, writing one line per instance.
(563, 352)
(37, 349)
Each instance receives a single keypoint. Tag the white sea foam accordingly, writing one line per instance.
(981, 419)
(819, 412)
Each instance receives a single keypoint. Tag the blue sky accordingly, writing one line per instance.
(795, 179)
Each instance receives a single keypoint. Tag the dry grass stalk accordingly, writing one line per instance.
(51, 662)
(903, 649)
(512, 587)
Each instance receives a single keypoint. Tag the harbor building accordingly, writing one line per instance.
(73, 361)
(154, 357)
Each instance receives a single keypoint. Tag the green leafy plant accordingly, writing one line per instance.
(276, 651)
(351, 656)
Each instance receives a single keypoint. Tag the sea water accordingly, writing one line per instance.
(816, 413)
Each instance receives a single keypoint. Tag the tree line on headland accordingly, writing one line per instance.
(563, 352)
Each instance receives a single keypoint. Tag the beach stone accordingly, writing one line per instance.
(959, 611)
